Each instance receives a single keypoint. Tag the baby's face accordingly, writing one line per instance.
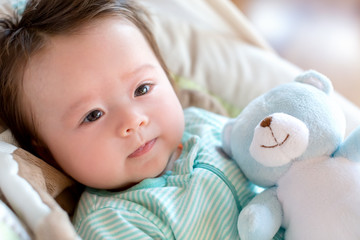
(104, 106)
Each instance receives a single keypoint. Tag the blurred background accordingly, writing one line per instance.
(319, 34)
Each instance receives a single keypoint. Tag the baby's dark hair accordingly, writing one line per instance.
(23, 36)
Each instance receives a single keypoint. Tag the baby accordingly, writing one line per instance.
(93, 95)
(84, 87)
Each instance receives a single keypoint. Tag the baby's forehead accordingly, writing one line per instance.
(91, 51)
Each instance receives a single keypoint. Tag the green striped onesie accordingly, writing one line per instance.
(200, 198)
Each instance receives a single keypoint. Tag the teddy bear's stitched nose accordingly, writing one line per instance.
(266, 122)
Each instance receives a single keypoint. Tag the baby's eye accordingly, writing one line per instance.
(142, 90)
(93, 116)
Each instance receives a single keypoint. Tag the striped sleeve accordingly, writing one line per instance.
(110, 223)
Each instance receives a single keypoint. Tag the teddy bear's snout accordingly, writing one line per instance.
(278, 139)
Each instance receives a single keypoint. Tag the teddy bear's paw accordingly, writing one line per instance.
(278, 139)
(255, 222)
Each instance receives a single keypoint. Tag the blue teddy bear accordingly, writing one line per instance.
(290, 142)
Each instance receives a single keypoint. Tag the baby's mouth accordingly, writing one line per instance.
(143, 148)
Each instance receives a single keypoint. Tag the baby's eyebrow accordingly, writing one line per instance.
(142, 68)
(77, 105)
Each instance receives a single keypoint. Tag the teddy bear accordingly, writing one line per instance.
(290, 142)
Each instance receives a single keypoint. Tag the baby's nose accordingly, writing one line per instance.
(266, 122)
(132, 124)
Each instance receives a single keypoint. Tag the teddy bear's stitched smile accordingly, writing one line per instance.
(277, 144)
(267, 123)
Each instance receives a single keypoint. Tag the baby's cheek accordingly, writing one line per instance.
(83, 166)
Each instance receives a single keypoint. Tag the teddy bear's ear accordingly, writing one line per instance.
(317, 80)
(226, 137)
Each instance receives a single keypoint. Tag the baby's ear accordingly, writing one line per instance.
(226, 137)
(317, 80)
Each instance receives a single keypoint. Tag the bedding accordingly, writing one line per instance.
(10, 225)
(222, 63)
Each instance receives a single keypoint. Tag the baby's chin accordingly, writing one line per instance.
(154, 169)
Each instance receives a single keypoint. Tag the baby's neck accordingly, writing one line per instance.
(173, 157)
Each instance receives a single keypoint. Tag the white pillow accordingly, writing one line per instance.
(10, 225)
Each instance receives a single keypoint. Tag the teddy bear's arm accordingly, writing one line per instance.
(262, 217)
(350, 148)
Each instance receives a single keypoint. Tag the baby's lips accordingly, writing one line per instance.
(143, 148)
